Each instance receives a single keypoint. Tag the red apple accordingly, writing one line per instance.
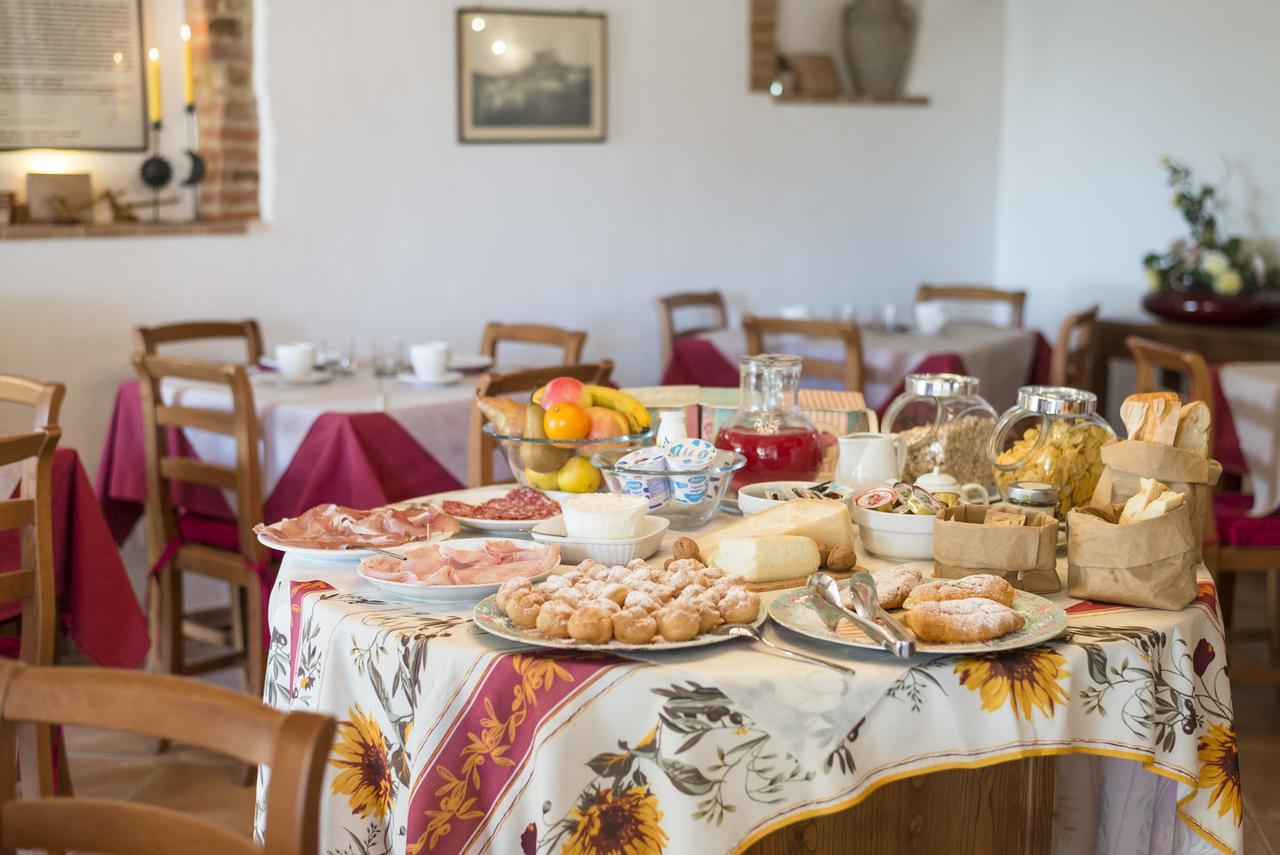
(565, 390)
(605, 423)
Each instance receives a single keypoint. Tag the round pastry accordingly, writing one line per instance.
(608, 605)
(678, 622)
(523, 608)
(591, 624)
(638, 564)
(572, 596)
(593, 588)
(553, 619)
(712, 573)
(614, 591)
(641, 600)
(893, 584)
(740, 605)
(982, 585)
(684, 565)
(573, 576)
(708, 615)
(661, 593)
(691, 592)
(553, 583)
(509, 587)
(634, 626)
(616, 574)
(591, 567)
(973, 619)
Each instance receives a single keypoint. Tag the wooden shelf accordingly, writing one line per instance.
(41, 231)
(856, 100)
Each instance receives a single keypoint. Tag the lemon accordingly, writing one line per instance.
(578, 476)
(542, 480)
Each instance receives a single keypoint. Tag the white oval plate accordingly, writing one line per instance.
(446, 379)
(462, 595)
(348, 554)
(476, 495)
(795, 610)
(490, 618)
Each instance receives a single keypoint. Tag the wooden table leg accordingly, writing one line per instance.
(1003, 808)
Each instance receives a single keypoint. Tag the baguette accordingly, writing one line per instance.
(1194, 421)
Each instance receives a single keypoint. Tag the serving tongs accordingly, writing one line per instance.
(866, 614)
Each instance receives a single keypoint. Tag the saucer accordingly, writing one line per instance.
(315, 378)
(446, 379)
(465, 364)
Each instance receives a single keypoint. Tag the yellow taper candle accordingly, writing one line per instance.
(154, 111)
(188, 70)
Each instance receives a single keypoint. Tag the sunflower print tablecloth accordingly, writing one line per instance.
(451, 741)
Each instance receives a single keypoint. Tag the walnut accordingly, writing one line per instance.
(841, 558)
(685, 547)
(823, 552)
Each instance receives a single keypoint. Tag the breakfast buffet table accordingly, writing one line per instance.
(452, 740)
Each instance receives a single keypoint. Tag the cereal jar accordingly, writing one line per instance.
(946, 425)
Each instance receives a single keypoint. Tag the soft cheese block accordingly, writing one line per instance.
(604, 516)
(768, 558)
(823, 520)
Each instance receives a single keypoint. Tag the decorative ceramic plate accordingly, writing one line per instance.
(454, 595)
(491, 619)
(350, 554)
(797, 611)
(477, 495)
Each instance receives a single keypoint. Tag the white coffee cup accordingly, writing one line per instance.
(295, 360)
(430, 361)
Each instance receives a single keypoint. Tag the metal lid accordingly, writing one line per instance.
(941, 385)
(1057, 400)
(1033, 493)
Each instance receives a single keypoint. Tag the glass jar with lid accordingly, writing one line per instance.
(946, 425)
(1053, 435)
(768, 429)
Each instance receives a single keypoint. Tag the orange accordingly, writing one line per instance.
(566, 421)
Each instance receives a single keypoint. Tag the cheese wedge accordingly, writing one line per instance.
(768, 558)
(825, 521)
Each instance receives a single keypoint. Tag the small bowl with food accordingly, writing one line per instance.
(754, 498)
(609, 528)
(895, 520)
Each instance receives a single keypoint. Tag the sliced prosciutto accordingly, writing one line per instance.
(522, 503)
(336, 527)
(442, 564)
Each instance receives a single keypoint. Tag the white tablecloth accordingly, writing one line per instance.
(1252, 390)
(1000, 358)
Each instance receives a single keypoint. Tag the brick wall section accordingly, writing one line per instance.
(226, 109)
(764, 43)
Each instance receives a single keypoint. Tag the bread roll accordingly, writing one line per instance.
(1194, 421)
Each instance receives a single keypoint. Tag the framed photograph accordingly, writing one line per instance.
(531, 76)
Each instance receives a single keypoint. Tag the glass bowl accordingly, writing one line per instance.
(688, 499)
(560, 464)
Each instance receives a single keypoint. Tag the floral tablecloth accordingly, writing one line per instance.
(450, 740)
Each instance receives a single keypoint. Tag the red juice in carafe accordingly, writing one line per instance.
(789, 454)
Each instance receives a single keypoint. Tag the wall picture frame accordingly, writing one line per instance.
(531, 76)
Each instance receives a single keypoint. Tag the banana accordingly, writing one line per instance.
(636, 414)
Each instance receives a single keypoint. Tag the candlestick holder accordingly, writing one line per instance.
(156, 172)
(196, 175)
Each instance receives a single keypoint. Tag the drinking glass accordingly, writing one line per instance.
(339, 355)
(388, 357)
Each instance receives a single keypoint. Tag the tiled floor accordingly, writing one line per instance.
(195, 781)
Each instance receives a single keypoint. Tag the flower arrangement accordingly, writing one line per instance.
(1204, 263)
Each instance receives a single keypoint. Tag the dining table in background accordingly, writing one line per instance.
(359, 440)
(451, 740)
(95, 601)
(1002, 359)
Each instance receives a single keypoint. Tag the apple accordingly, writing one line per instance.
(565, 390)
(605, 423)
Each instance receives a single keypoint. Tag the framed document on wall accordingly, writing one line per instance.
(71, 75)
(526, 76)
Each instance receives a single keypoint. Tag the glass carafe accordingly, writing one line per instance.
(768, 429)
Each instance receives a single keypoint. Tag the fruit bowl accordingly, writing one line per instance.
(688, 499)
(561, 464)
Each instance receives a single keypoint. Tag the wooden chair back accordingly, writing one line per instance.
(44, 399)
(1016, 300)
(668, 307)
(147, 340)
(295, 745)
(481, 448)
(847, 371)
(1175, 366)
(569, 342)
(1068, 366)
(165, 468)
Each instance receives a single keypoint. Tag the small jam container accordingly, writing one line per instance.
(1034, 495)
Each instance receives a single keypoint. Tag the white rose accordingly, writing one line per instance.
(1214, 262)
(1228, 283)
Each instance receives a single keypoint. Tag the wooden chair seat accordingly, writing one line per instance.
(1237, 528)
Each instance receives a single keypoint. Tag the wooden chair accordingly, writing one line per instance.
(668, 307)
(44, 399)
(294, 745)
(480, 449)
(147, 340)
(1223, 558)
(33, 581)
(1071, 351)
(569, 341)
(847, 371)
(976, 294)
(180, 542)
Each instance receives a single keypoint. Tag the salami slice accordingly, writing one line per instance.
(522, 503)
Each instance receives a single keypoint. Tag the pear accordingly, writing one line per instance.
(539, 456)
